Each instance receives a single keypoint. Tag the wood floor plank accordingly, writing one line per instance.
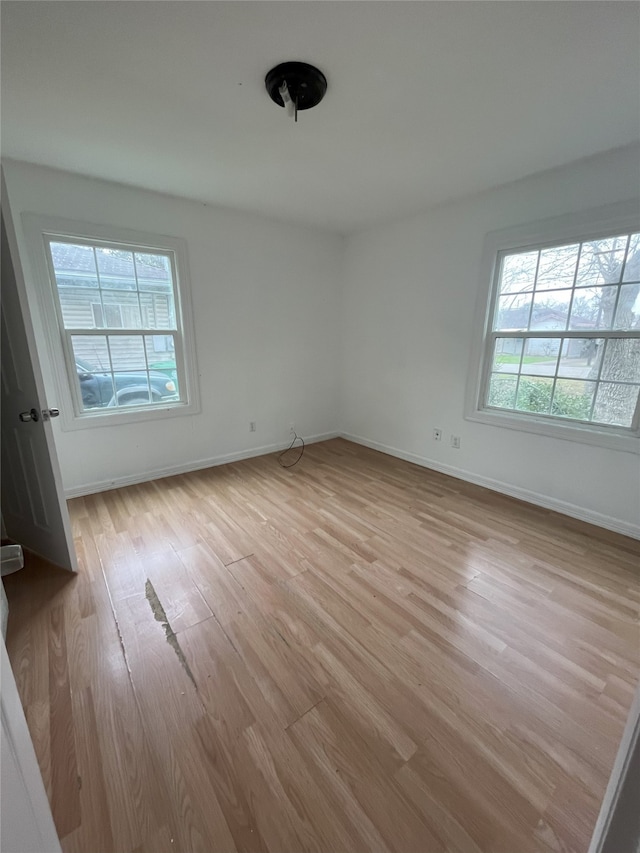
(357, 762)
(493, 823)
(65, 798)
(214, 664)
(170, 710)
(354, 654)
(213, 581)
(281, 674)
(38, 715)
(181, 598)
(94, 831)
(363, 707)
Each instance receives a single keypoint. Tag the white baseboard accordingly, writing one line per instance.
(572, 510)
(563, 507)
(184, 468)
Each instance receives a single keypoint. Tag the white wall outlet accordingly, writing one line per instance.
(437, 435)
(455, 441)
(252, 426)
(292, 429)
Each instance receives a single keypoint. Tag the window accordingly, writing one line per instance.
(120, 317)
(113, 315)
(561, 349)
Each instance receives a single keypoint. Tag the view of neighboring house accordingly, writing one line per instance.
(113, 289)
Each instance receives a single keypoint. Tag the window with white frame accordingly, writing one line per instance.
(562, 341)
(121, 325)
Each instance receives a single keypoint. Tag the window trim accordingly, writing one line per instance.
(584, 226)
(38, 230)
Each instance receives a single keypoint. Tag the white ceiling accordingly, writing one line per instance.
(427, 101)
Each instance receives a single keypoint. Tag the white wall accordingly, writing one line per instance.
(265, 300)
(370, 337)
(408, 311)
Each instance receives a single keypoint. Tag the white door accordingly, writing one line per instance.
(34, 509)
(26, 825)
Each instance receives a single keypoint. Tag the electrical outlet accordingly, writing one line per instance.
(252, 426)
(437, 435)
(292, 429)
(455, 441)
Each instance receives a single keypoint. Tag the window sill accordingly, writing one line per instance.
(109, 418)
(611, 439)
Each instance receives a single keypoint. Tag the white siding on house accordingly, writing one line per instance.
(82, 309)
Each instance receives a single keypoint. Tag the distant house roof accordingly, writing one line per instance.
(75, 261)
(518, 318)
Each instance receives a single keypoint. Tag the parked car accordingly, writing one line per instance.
(168, 367)
(99, 388)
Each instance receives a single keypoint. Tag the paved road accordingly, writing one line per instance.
(576, 368)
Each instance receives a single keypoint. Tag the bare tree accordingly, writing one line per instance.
(616, 402)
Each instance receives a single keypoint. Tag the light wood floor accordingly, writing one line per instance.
(356, 654)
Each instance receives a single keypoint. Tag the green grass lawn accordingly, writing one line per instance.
(528, 359)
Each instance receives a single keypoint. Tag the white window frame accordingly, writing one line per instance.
(589, 225)
(39, 230)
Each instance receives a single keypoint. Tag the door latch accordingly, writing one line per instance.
(33, 415)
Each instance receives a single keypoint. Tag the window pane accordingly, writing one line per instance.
(601, 261)
(628, 311)
(622, 360)
(132, 389)
(77, 283)
(518, 272)
(127, 352)
(593, 308)
(534, 395)
(512, 313)
(98, 318)
(158, 310)
(615, 404)
(91, 352)
(632, 265)
(92, 370)
(580, 358)
(78, 308)
(111, 316)
(162, 361)
(116, 269)
(541, 356)
(550, 310)
(154, 272)
(572, 398)
(502, 391)
(121, 309)
(74, 263)
(557, 267)
(506, 356)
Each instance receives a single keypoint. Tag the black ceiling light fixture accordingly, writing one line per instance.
(295, 86)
